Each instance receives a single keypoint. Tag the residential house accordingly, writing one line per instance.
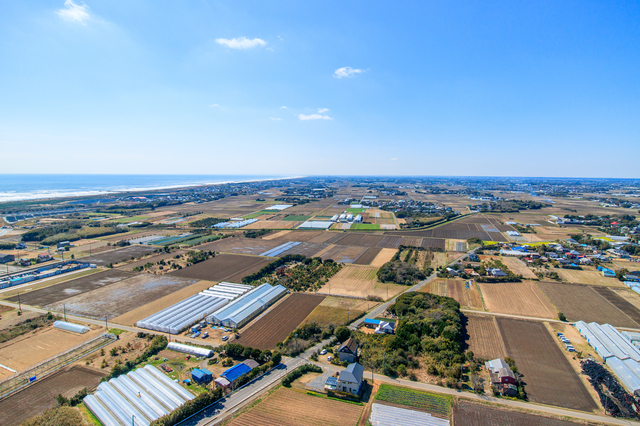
(348, 351)
(474, 257)
(351, 379)
(44, 257)
(495, 272)
(384, 328)
(25, 262)
(500, 372)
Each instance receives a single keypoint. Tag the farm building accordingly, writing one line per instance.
(245, 308)
(201, 375)
(191, 350)
(177, 317)
(618, 350)
(371, 323)
(316, 224)
(474, 257)
(68, 326)
(357, 219)
(351, 379)
(5, 258)
(138, 398)
(44, 257)
(232, 374)
(517, 253)
(387, 415)
(348, 351)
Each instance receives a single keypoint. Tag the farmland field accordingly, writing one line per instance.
(306, 249)
(517, 267)
(620, 303)
(288, 407)
(296, 218)
(456, 289)
(467, 413)
(344, 254)
(366, 226)
(438, 405)
(40, 396)
(481, 336)
(583, 303)
(270, 224)
(121, 255)
(359, 281)
(241, 245)
(54, 293)
(276, 324)
(152, 259)
(549, 377)
(368, 256)
(339, 310)
(523, 298)
(121, 297)
(384, 256)
(36, 346)
(230, 267)
(587, 276)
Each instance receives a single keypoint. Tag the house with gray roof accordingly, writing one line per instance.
(350, 380)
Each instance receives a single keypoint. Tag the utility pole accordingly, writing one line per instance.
(106, 325)
(19, 304)
(64, 310)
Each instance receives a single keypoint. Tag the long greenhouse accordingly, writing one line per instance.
(138, 398)
(245, 308)
(177, 317)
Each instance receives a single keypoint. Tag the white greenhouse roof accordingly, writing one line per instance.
(316, 224)
(385, 415)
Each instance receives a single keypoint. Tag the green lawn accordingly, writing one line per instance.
(296, 218)
(365, 226)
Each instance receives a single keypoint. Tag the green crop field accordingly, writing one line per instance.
(131, 219)
(256, 214)
(356, 210)
(431, 402)
(365, 226)
(296, 218)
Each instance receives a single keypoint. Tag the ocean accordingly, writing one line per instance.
(19, 187)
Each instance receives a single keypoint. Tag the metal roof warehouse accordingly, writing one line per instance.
(245, 308)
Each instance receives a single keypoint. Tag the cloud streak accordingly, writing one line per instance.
(303, 117)
(275, 119)
(240, 42)
(322, 110)
(346, 72)
(74, 12)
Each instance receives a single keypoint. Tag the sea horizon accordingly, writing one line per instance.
(26, 187)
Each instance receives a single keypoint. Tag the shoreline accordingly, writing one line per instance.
(90, 193)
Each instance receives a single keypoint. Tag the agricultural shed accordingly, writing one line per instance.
(232, 374)
(191, 350)
(516, 253)
(386, 415)
(607, 341)
(137, 398)
(316, 224)
(371, 323)
(177, 317)
(201, 375)
(245, 308)
(68, 326)
(626, 376)
(279, 207)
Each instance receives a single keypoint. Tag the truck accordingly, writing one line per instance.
(195, 328)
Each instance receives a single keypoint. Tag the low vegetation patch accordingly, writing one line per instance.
(27, 326)
(296, 272)
(433, 403)
(299, 372)
(403, 268)
(60, 416)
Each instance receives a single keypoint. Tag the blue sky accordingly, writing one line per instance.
(545, 88)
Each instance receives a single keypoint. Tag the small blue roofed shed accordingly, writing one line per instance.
(232, 374)
(201, 375)
(371, 323)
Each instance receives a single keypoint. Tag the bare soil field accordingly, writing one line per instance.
(359, 281)
(344, 254)
(549, 377)
(275, 325)
(287, 407)
(518, 267)
(222, 267)
(54, 293)
(122, 297)
(481, 336)
(390, 242)
(306, 236)
(619, 302)
(456, 289)
(385, 255)
(411, 241)
(368, 256)
(628, 295)
(121, 255)
(241, 245)
(42, 343)
(583, 303)
(467, 413)
(276, 235)
(130, 318)
(339, 310)
(40, 396)
(271, 224)
(524, 298)
(587, 276)
(305, 249)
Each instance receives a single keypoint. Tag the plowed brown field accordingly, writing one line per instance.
(524, 298)
(287, 407)
(359, 281)
(482, 337)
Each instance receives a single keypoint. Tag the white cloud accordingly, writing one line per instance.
(393, 159)
(241, 42)
(74, 12)
(346, 72)
(283, 107)
(322, 110)
(214, 105)
(275, 119)
(314, 117)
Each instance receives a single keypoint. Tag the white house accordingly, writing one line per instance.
(350, 380)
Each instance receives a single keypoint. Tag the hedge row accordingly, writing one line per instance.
(298, 372)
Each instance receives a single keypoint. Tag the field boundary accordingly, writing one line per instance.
(341, 295)
(53, 364)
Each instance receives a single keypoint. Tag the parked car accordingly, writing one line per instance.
(329, 358)
(323, 352)
(205, 334)
(225, 338)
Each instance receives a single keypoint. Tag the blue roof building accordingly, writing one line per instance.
(201, 375)
(232, 374)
